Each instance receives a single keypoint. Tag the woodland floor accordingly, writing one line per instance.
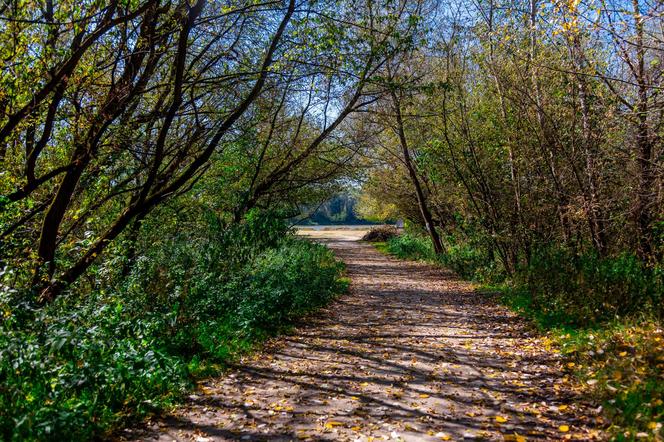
(411, 353)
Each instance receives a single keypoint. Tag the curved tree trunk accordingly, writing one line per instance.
(412, 172)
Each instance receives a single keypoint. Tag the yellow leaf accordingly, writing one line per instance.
(652, 425)
(562, 407)
(516, 437)
(571, 364)
(622, 354)
(501, 419)
(617, 375)
(356, 428)
(424, 396)
(332, 424)
(563, 428)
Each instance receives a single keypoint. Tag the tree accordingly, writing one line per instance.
(128, 106)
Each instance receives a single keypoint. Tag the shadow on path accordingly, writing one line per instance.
(411, 353)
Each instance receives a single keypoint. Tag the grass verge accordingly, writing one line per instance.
(618, 363)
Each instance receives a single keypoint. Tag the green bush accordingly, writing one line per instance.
(278, 286)
(561, 285)
(587, 288)
(73, 373)
(411, 246)
(468, 260)
(83, 365)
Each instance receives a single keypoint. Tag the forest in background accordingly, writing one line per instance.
(341, 209)
(152, 152)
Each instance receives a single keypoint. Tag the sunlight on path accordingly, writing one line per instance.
(410, 354)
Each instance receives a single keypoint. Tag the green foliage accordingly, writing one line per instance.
(73, 372)
(619, 363)
(470, 260)
(622, 365)
(585, 288)
(82, 365)
(410, 246)
(467, 260)
(558, 284)
(603, 313)
(339, 209)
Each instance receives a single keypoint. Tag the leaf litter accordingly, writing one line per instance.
(412, 353)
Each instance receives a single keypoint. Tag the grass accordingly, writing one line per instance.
(619, 363)
(382, 247)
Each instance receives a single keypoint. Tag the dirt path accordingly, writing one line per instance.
(410, 354)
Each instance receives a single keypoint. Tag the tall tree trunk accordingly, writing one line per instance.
(547, 140)
(644, 147)
(517, 215)
(141, 208)
(412, 172)
(590, 190)
(55, 214)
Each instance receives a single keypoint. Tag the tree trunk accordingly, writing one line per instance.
(412, 172)
(590, 192)
(644, 147)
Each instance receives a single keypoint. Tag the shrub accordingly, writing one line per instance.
(380, 234)
(575, 288)
(411, 246)
(468, 260)
(81, 366)
(587, 288)
(74, 372)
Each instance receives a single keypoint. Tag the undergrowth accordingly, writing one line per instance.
(618, 362)
(80, 367)
(467, 259)
(603, 313)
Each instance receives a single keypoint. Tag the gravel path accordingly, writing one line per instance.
(411, 353)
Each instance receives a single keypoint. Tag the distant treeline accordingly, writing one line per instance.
(340, 209)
